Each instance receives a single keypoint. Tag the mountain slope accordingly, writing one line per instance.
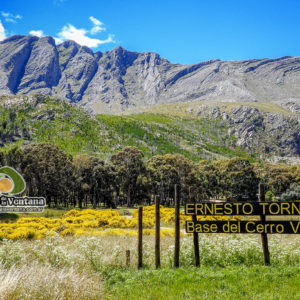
(119, 79)
(258, 127)
(27, 119)
(197, 130)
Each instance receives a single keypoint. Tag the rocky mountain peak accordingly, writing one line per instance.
(121, 58)
(68, 44)
(42, 70)
(119, 79)
(16, 38)
(47, 40)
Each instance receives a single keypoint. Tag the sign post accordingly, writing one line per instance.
(157, 232)
(177, 228)
(264, 237)
(140, 237)
(260, 208)
(195, 234)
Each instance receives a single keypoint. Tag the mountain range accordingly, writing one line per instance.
(117, 80)
(206, 110)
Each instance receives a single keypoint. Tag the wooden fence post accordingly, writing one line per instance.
(196, 244)
(195, 234)
(264, 237)
(140, 237)
(177, 228)
(157, 232)
(127, 258)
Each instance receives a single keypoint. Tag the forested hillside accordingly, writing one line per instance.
(28, 119)
(196, 130)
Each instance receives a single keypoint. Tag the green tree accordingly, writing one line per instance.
(279, 177)
(84, 188)
(47, 171)
(237, 179)
(129, 166)
(292, 194)
(167, 170)
(13, 157)
(162, 177)
(210, 179)
(104, 183)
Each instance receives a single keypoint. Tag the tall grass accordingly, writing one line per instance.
(94, 267)
(45, 282)
(99, 253)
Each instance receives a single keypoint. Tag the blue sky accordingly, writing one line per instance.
(182, 31)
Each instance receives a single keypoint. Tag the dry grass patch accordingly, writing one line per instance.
(45, 282)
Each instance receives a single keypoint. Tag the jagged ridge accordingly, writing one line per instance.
(119, 79)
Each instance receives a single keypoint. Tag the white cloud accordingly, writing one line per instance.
(38, 33)
(80, 35)
(98, 25)
(9, 17)
(95, 21)
(2, 32)
(58, 40)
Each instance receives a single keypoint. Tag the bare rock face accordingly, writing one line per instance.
(119, 79)
(78, 66)
(14, 54)
(107, 85)
(42, 70)
(144, 79)
(257, 130)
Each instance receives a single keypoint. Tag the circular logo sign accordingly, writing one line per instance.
(11, 181)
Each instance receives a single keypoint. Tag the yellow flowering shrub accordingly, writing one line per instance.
(167, 215)
(94, 223)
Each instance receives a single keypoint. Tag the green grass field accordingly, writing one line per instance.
(237, 282)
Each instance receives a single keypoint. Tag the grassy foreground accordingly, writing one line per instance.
(238, 282)
(94, 268)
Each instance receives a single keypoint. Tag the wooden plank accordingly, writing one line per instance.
(205, 208)
(249, 227)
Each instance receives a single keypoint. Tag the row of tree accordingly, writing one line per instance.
(128, 179)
